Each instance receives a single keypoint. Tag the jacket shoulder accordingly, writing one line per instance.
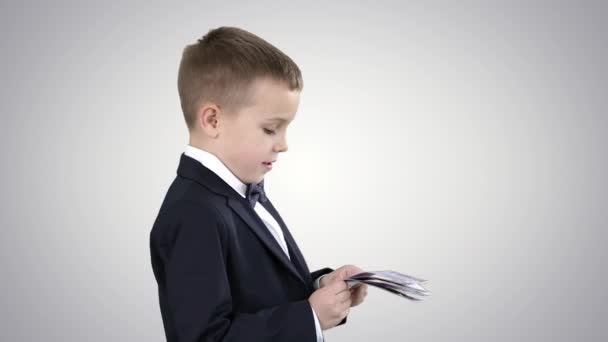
(187, 203)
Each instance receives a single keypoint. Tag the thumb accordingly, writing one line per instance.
(338, 285)
(348, 271)
(342, 273)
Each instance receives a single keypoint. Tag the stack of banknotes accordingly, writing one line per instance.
(391, 281)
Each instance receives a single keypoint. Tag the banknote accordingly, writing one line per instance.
(391, 281)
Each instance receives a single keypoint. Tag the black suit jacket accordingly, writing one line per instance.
(221, 275)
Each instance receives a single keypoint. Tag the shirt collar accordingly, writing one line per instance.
(214, 164)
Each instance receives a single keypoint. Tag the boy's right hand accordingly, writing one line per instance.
(331, 303)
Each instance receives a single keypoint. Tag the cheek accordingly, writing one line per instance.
(258, 142)
(246, 151)
(249, 147)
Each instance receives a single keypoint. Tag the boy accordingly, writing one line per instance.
(226, 265)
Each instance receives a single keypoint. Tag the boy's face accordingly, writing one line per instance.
(251, 138)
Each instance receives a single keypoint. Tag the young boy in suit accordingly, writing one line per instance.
(227, 267)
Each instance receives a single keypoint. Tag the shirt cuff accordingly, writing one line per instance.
(317, 283)
(317, 326)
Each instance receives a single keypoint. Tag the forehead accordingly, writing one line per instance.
(274, 102)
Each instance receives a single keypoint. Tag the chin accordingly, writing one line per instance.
(259, 180)
(254, 180)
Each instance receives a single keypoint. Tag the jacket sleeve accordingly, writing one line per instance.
(316, 274)
(198, 289)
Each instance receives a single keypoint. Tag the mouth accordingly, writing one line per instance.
(268, 164)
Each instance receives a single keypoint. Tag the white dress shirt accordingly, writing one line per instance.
(214, 164)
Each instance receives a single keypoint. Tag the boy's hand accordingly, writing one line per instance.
(357, 292)
(331, 303)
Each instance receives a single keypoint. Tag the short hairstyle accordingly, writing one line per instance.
(222, 65)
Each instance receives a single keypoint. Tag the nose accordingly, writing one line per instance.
(281, 146)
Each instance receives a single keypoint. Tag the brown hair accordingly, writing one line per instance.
(221, 66)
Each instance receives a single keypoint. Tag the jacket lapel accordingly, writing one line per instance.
(254, 222)
(296, 255)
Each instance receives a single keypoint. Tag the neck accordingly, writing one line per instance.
(201, 144)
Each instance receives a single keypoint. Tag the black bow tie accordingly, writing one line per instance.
(255, 193)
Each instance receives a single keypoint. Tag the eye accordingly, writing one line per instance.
(269, 131)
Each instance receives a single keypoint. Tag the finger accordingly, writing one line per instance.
(338, 286)
(355, 286)
(347, 271)
(358, 296)
(345, 312)
(351, 270)
(331, 278)
(360, 291)
(357, 300)
(346, 302)
(343, 296)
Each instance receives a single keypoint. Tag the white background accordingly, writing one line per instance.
(464, 143)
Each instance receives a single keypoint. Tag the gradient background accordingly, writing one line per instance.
(464, 143)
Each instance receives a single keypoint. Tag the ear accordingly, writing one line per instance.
(207, 119)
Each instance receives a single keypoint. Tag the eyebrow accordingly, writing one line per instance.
(276, 119)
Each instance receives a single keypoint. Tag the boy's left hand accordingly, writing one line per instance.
(357, 292)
